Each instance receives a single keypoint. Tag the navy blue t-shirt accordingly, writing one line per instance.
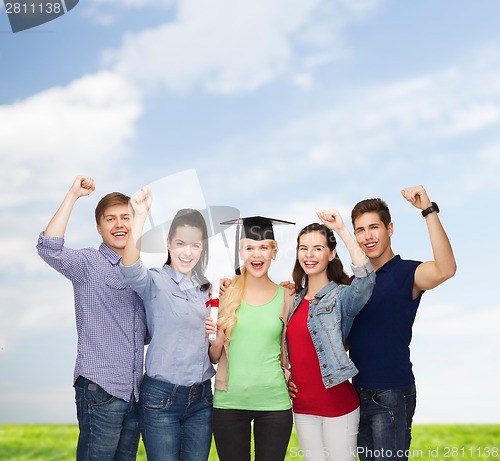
(379, 341)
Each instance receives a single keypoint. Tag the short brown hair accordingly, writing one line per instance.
(370, 205)
(111, 199)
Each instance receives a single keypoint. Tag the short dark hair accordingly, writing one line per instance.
(111, 199)
(370, 205)
(334, 270)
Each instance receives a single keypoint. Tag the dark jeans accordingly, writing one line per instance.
(385, 423)
(232, 433)
(109, 427)
(176, 421)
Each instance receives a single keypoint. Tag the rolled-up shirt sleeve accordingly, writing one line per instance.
(357, 294)
(66, 261)
(137, 277)
(364, 270)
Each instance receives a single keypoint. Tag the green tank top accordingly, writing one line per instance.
(255, 377)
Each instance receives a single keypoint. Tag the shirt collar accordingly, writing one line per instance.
(109, 254)
(178, 277)
(326, 289)
(388, 265)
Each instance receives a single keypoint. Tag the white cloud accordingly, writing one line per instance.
(473, 118)
(107, 13)
(482, 174)
(45, 304)
(49, 135)
(397, 128)
(46, 139)
(19, 252)
(452, 321)
(303, 81)
(228, 46)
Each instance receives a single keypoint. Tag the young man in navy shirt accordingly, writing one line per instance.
(381, 334)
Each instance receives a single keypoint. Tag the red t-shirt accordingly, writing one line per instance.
(312, 396)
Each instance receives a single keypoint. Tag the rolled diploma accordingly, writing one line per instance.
(214, 307)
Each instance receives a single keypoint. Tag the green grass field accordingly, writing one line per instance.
(430, 442)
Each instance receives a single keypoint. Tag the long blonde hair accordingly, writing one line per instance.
(232, 298)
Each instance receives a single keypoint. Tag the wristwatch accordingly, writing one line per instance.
(433, 208)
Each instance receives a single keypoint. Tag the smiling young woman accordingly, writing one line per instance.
(250, 384)
(325, 404)
(175, 407)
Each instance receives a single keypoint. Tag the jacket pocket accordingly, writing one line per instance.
(325, 307)
(328, 314)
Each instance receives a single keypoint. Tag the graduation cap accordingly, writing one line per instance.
(252, 227)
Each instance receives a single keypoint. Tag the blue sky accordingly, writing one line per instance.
(282, 108)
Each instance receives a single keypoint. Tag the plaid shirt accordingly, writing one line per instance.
(110, 317)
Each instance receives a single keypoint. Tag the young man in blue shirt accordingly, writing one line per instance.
(111, 327)
(381, 334)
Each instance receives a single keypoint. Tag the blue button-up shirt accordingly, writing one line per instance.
(110, 317)
(176, 313)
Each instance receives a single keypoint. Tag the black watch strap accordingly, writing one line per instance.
(433, 208)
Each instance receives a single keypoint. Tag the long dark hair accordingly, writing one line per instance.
(193, 218)
(334, 270)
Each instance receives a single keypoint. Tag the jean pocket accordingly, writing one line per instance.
(387, 399)
(96, 395)
(410, 403)
(209, 399)
(155, 402)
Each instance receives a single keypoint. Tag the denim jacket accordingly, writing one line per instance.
(331, 315)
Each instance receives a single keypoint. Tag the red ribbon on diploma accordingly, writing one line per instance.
(212, 303)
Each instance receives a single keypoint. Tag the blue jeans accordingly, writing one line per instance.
(176, 421)
(109, 427)
(385, 423)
